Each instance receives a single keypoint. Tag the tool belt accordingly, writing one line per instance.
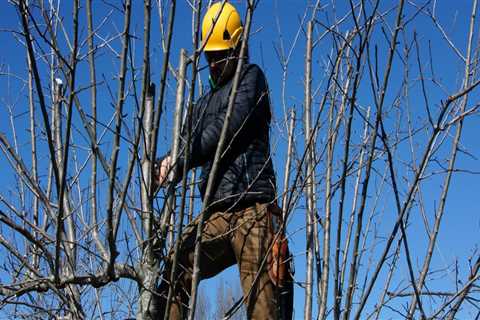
(279, 259)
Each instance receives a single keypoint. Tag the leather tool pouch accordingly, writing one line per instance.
(279, 258)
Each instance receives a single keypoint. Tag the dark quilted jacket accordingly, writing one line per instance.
(245, 174)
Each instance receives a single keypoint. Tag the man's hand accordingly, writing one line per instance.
(161, 171)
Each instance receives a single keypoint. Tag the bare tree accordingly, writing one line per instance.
(388, 134)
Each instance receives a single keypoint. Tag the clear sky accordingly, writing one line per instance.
(276, 24)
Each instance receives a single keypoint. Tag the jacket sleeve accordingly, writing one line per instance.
(250, 90)
(182, 147)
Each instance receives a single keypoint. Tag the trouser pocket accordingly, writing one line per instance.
(279, 260)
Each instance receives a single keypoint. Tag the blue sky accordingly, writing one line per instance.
(459, 232)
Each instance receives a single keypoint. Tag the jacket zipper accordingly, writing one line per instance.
(246, 168)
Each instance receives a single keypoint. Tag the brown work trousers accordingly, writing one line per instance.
(241, 237)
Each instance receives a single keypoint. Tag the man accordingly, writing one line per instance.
(239, 226)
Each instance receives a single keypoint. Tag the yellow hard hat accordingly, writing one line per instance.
(226, 30)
